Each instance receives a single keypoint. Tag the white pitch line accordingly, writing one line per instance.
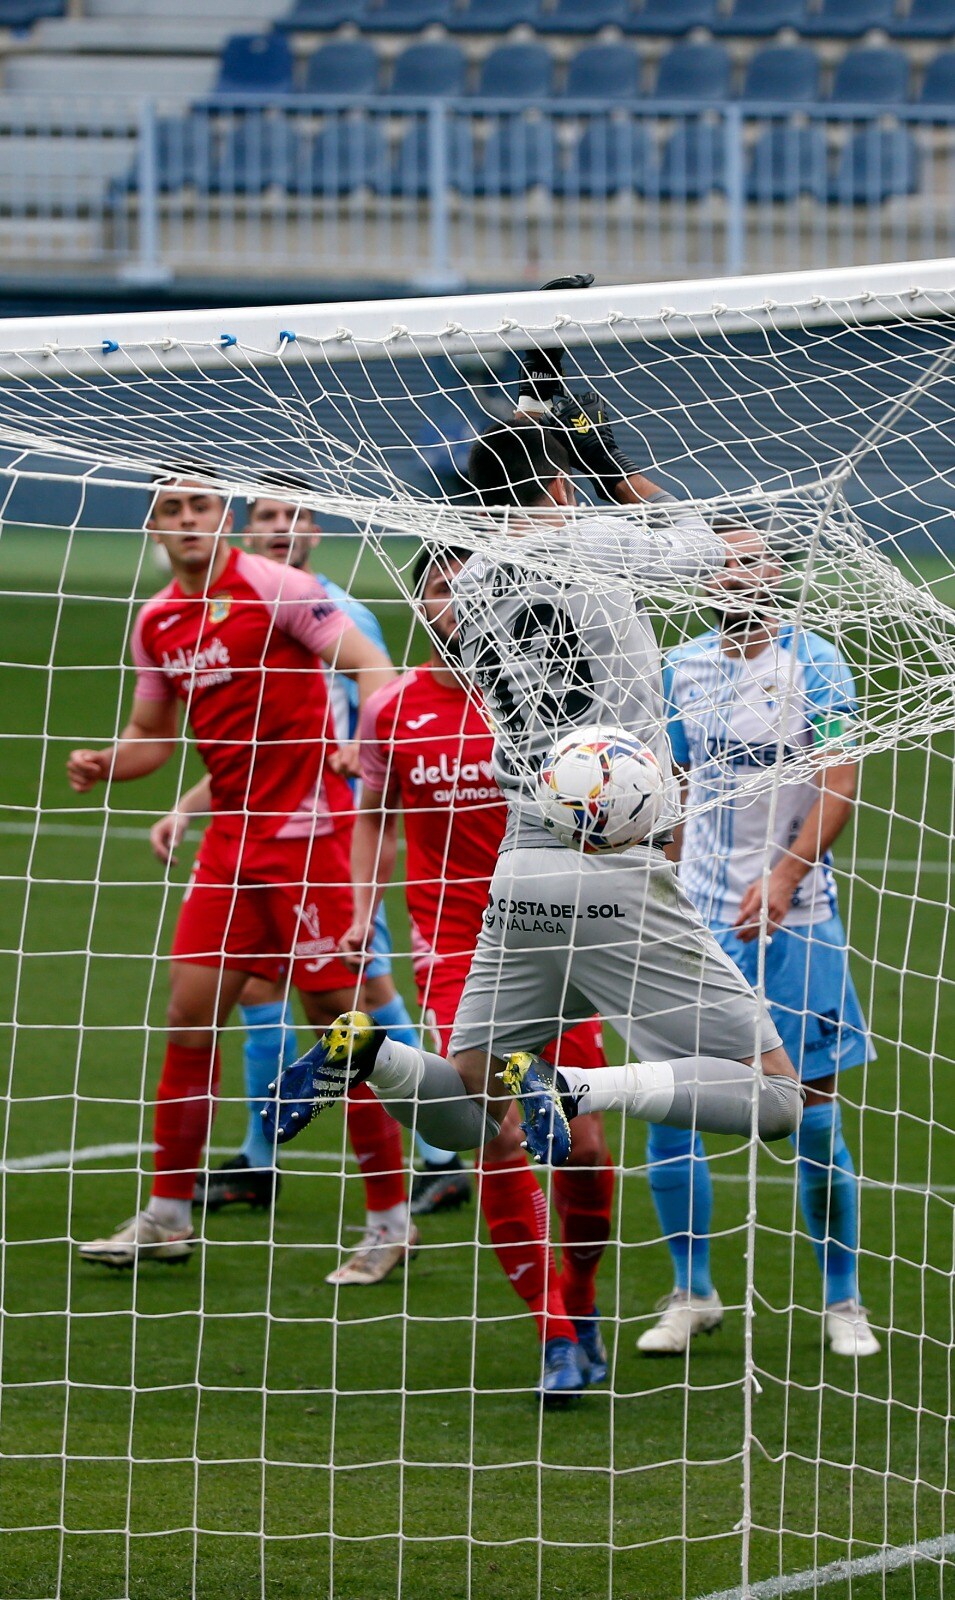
(76, 830)
(881, 1561)
(66, 1159)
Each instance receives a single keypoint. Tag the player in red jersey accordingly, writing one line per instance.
(426, 749)
(239, 641)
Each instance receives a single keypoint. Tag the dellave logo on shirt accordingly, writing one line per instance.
(206, 667)
(445, 771)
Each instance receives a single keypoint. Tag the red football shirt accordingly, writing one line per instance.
(243, 658)
(428, 749)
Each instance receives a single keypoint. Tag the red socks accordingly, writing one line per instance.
(376, 1140)
(583, 1196)
(516, 1214)
(185, 1107)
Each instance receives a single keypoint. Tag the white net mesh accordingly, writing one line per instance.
(244, 1423)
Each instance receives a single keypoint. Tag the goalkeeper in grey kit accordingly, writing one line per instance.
(551, 653)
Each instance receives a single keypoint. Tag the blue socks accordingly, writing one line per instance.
(829, 1192)
(395, 1019)
(682, 1192)
(269, 1044)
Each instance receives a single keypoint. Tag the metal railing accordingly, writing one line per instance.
(469, 191)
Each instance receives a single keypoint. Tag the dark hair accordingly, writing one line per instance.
(430, 556)
(513, 463)
(281, 486)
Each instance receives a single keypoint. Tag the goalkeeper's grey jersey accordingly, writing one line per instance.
(550, 652)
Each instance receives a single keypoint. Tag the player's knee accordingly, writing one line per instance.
(780, 1108)
(588, 1147)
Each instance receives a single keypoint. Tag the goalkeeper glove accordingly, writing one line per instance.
(541, 374)
(584, 429)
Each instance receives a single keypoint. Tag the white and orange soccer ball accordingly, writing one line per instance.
(600, 789)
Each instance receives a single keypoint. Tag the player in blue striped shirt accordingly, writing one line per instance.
(752, 691)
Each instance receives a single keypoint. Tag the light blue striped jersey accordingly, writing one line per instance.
(728, 716)
(342, 690)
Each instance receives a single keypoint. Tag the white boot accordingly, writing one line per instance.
(848, 1331)
(141, 1238)
(684, 1316)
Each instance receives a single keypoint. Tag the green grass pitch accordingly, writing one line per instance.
(235, 1429)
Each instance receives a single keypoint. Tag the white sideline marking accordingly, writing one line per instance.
(887, 1560)
(77, 830)
(330, 1158)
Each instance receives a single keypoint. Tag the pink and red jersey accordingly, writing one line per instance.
(243, 659)
(428, 749)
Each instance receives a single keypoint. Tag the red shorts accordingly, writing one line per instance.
(259, 906)
(439, 992)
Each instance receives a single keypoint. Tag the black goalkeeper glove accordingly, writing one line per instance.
(541, 374)
(581, 423)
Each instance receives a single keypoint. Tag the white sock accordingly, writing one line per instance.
(706, 1093)
(394, 1220)
(642, 1089)
(174, 1214)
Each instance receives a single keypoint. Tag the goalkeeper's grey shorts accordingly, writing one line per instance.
(565, 935)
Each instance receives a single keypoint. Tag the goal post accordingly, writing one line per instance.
(243, 1422)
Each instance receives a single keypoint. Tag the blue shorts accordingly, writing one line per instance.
(810, 992)
(380, 965)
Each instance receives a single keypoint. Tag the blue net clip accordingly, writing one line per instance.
(287, 337)
(227, 339)
(110, 347)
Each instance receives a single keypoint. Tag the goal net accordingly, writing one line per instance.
(243, 1426)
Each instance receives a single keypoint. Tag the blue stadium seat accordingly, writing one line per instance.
(873, 78)
(492, 16)
(349, 155)
(255, 63)
(694, 72)
(938, 85)
(877, 164)
(321, 14)
(581, 16)
(518, 72)
(519, 155)
(611, 158)
(672, 16)
(604, 72)
(694, 161)
(846, 19)
(430, 69)
(759, 17)
(184, 156)
(345, 66)
(783, 74)
(404, 16)
(926, 19)
(410, 174)
(786, 162)
(257, 153)
(24, 13)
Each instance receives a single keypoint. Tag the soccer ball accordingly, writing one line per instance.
(600, 789)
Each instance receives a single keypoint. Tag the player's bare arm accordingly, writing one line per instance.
(166, 834)
(373, 854)
(146, 742)
(357, 658)
(822, 827)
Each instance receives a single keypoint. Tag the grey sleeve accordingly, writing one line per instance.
(669, 541)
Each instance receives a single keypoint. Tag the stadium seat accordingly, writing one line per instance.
(519, 155)
(694, 161)
(346, 66)
(430, 69)
(260, 152)
(938, 85)
(611, 158)
(322, 14)
(255, 63)
(786, 162)
(604, 72)
(24, 13)
(184, 156)
(758, 17)
(846, 19)
(672, 16)
(518, 72)
(493, 16)
(694, 72)
(580, 16)
(874, 77)
(347, 155)
(404, 16)
(783, 74)
(876, 164)
(410, 173)
(925, 19)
